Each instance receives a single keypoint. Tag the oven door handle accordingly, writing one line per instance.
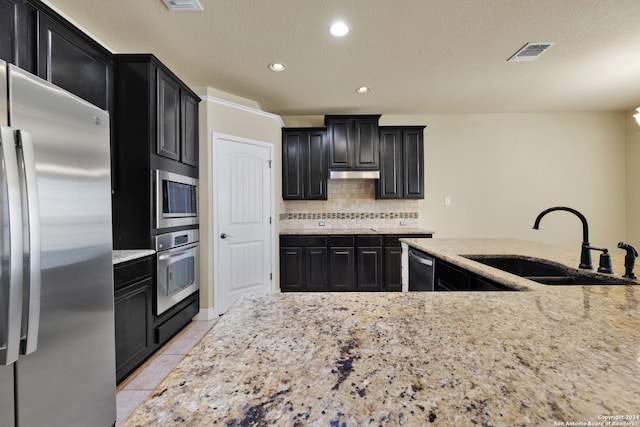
(176, 252)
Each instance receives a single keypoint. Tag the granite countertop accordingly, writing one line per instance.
(552, 355)
(353, 230)
(120, 256)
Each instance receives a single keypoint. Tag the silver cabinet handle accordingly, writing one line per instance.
(224, 236)
(31, 275)
(11, 286)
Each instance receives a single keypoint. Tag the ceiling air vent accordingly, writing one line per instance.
(182, 5)
(531, 51)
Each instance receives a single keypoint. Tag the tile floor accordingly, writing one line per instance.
(135, 389)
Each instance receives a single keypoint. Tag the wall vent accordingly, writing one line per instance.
(183, 5)
(531, 51)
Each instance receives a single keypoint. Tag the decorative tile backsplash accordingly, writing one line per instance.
(351, 203)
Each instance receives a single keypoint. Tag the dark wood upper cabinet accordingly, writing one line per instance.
(390, 185)
(69, 59)
(35, 38)
(17, 44)
(168, 116)
(189, 148)
(402, 163)
(353, 142)
(304, 171)
(413, 162)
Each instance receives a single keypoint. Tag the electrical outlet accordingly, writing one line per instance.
(322, 224)
(403, 222)
(447, 201)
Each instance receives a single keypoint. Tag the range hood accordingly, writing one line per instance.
(354, 174)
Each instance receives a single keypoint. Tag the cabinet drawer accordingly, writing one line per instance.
(370, 241)
(128, 272)
(303, 240)
(342, 241)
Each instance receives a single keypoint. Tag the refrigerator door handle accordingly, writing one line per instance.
(32, 271)
(11, 286)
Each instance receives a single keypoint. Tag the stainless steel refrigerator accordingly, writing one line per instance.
(57, 357)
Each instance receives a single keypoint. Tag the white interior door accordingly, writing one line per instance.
(243, 227)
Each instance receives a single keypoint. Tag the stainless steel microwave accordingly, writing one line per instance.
(176, 199)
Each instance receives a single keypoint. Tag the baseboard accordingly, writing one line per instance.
(207, 314)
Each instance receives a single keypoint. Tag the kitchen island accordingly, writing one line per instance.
(543, 356)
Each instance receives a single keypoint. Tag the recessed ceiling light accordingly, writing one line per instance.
(277, 66)
(363, 89)
(339, 29)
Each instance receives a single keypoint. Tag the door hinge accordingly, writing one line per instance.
(271, 276)
(269, 163)
(269, 220)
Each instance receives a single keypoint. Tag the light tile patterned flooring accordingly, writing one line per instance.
(135, 389)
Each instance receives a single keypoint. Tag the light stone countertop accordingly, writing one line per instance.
(550, 355)
(124, 255)
(321, 231)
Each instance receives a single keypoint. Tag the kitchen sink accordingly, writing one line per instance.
(542, 271)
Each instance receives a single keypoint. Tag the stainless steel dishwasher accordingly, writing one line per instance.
(421, 271)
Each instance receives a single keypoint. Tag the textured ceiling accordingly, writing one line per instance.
(418, 56)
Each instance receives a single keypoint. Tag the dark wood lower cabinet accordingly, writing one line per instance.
(370, 269)
(341, 263)
(315, 263)
(303, 263)
(342, 268)
(370, 263)
(138, 332)
(451, 278)
(392, 269)
(133, 305)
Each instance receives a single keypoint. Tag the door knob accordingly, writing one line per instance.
(224, 236)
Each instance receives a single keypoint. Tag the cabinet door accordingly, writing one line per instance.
(292, 163)
(366, 144)
(14, 41)
(315, 170)
(316, 269)
(168, 117)
(413, 162)
(340, 145)
(392, 268)
(370, 269)
(133, 326)
(292, 269)
(189, 146)
(390, 185)
(342, 269)
(73, 61)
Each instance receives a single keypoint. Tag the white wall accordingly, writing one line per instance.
(228, 114)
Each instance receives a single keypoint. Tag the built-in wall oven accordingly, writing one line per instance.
(177, 267)
(175, 200)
